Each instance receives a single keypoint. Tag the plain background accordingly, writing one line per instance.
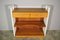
(5, 21)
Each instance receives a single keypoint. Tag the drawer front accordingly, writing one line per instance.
(21, 15)
(30, 14)
(38, 15)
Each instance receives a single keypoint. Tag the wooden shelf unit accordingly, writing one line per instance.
(29, 21)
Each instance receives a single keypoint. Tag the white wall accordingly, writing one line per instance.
(55, 20)
(3, 15)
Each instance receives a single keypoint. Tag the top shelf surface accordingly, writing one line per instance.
(30, 9)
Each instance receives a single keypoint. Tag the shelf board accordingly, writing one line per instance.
(29, 32)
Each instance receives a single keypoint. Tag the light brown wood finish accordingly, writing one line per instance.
(29, 27)
(30, 13)
(29, 21)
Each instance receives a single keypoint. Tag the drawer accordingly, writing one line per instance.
(21, 14)
(38, 15)
(30, 14)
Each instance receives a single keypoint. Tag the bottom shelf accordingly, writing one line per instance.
(29, 32)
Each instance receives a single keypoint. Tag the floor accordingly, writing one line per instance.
(8, 35)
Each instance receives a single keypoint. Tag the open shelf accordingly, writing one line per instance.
(30, 32)
(29, 27)
(29, 21)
